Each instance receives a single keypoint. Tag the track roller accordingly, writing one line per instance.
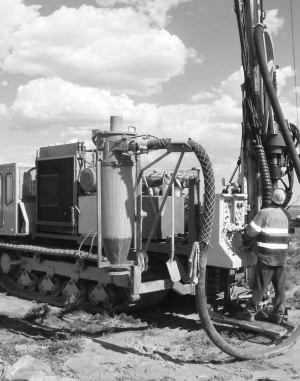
(45, 285)
(78, 290)
(97, 294)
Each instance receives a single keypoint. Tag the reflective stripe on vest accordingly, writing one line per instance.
(270, 231)
(255, 227)
(273, 246)
(270, 226)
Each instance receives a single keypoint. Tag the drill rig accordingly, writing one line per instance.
(268, 153)
(269, 144)
(97, 226)
(107, 232)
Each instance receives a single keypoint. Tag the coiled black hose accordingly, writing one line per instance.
(201, 285)
(204, 238)
(260, 156)
(271, 351)
(209, 189)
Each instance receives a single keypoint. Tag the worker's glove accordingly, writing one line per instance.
(246, 241)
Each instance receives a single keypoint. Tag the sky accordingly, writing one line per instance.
(171, 68)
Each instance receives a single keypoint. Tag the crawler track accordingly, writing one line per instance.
(68, 257)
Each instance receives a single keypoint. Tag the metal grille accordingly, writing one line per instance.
(55, 190)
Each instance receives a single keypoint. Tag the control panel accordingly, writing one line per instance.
(229, 222)
(233, 209)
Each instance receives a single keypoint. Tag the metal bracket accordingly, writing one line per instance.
(98, 295)
(47, 284)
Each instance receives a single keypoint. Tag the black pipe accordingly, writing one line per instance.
(209, 190)
(265, 175)
(204, 238)
(260, 52)
(271, 351)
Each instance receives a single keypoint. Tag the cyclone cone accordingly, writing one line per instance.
(117, 210)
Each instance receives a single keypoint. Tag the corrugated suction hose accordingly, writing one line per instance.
(204, 239)
(265, 175)
(205, 234)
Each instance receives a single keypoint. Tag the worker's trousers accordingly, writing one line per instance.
(263, 276)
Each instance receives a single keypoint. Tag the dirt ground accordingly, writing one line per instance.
(154, 345)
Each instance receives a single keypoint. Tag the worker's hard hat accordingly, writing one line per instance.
(278, 196)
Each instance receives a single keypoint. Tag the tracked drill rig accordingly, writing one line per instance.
(97, 226)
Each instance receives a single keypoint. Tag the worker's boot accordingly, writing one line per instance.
(262, 315)
(276, 319)
(242, 315)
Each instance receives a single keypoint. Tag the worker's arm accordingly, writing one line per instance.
(254, 228)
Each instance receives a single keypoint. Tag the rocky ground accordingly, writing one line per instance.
(165, 343)
(154, 345)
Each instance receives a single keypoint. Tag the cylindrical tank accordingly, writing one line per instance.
(117, 210)
(117, 196)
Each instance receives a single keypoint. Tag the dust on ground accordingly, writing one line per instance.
(156, 345)
(165, 343)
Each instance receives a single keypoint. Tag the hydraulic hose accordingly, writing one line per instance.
(260, 52)
(265, 175)
(204, 239)
(209, 190)
(218, 340)
(205, 234)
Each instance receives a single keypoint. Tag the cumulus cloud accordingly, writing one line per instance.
(117, 49)
(52, 101)
(47, 102)
(202, 95)
(282, 75)
(3, 110)
(157, 10)
(273, 22)
(232, 85)
(13, 14)
(74, 111)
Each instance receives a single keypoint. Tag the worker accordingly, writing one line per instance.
(271, 227)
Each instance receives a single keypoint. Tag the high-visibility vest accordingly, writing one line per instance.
(271, 227)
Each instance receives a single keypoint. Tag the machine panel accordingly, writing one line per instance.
(229, 220)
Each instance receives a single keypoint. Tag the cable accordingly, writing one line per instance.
(92, 243)
(294, 58)
(86, 254)
(260, 52)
